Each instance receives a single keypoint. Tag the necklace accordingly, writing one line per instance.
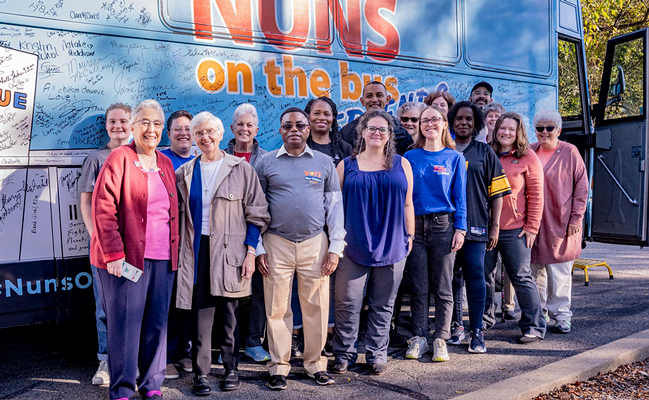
(152, 165)
(207, 186)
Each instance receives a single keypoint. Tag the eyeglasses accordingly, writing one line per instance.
(434, 120)
(206, 132)
(413, 119)
(287, 126)
(373, 129)
(146, 123)
(180, 129)
(548, 128)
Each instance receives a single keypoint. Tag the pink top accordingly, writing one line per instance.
(544, 155)
(524, 207)
(157, 219)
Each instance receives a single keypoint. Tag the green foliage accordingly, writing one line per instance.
(604, 20)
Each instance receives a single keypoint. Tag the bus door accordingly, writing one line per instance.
(619, 186)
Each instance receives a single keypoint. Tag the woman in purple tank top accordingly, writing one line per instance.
(380, 223)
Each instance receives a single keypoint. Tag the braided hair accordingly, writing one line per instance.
(334, 132)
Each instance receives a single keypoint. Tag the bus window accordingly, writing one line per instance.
(626, 85)
(570, 96)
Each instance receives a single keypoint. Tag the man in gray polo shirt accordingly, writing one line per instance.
(303, 194)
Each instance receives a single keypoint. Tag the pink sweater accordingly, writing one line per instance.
(524, 207)
(119, 209)
(565, 198)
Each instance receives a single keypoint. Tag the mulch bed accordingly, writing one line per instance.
(629, 381)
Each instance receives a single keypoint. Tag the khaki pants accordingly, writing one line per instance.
(303, 260)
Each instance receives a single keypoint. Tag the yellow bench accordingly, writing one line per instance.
(585, 264)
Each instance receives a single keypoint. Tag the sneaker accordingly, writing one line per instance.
(417, 346)
(296, 347)
(562, 326)
(328, 350)
(257, 353)
(457, 334)
(339, 367)
(378, 369)
(277, 382)
(439, 351)
(171, 372)
(477, 342)
(101, 376)
(201, 386)
(322, 378)
(185, 364)
(528, 338)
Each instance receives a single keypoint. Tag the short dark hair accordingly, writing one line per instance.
(478, 119)
(292, 110)
(178, 114)
(375, 83)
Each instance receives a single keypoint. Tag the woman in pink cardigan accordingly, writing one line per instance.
(559, 240)
(519, 220)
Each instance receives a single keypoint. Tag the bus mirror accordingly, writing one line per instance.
(619, 85)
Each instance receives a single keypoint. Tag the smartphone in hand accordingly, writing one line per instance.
(130, 272)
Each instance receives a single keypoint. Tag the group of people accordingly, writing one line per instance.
(332, 228)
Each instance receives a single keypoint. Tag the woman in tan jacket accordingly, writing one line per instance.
(222, 212)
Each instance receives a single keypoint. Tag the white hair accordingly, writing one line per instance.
(547, 115)
(243, 109)
(204, 117)
(148, 104)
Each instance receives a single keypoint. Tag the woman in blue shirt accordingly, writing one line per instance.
(439, 197)
(379, 220)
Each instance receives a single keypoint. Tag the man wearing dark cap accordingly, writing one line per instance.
(481, 94)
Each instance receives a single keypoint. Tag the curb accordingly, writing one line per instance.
(576, 368)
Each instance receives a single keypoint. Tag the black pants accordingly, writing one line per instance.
(208, 310)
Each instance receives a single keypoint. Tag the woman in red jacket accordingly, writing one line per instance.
(135, 214)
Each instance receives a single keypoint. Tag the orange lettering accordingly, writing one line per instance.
(320, 83)
(210, 75)
(271, 70)
(350, 83)
(391, 84)
(290, 75)
(5, 99)
(247, 78)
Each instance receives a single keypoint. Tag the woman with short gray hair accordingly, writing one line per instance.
(408, 116)
(559, 239)
(245, 126)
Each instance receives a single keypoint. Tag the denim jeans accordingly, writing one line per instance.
(430, 267)
(516, 258)
(100, 318)
(469, 266)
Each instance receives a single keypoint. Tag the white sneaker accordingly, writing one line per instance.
(439, 351)
(417, 346)
(101, 376)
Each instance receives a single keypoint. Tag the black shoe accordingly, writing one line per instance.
(510, 315)
(525, 339)
(230, 381)
(397, 341)
(201, 386)
(339, 368)
(322, 378)
(277, 382)
(296, 346)
(378, 369)
(328, 350)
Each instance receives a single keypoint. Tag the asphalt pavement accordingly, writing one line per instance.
(57, 361)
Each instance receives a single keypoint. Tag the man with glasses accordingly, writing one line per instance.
(375, 97)
(481, 94)
(303, 194)
(180, 138)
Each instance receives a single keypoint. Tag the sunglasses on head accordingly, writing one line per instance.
(548, 128)
(413, 119)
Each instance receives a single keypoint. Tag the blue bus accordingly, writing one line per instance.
(63, 62)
